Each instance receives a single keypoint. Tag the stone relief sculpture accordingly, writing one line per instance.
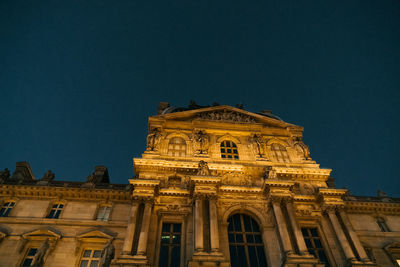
(41, 252)
(269, 173)
(203, 169)
(107, 254)
(153, 139)
(200, 142)
(307, 189)
(48, 176)
(4, 175)
(258, 143)
(302, 149)
(226, 116)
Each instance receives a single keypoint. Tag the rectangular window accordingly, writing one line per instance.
(170, 249)
(314, 244)
(55, 211)
(104, 213)
(29, 257)
(6, 208)
(90, 258)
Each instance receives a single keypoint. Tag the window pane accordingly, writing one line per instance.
(317, 243)
(27, 262)
(308, 243)
(314, 232)
(165, 239)
(96, 254)
(239, 238)
(304, 231)
(175, 256)
(242, 256)
(84, 263)
(261, 256)
(32, 252)
(250, 238)
(176, 239)
(166, 227)
(163, 261)
(258, 239)
(233, 254)
(253, 256)
(57, 214)
(177, 227)
(232, 238)
(87, 253)
(2, 212)
(247, 224)
(94, 263)
(51, 214)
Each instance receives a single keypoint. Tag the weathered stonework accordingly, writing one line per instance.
(202, 167)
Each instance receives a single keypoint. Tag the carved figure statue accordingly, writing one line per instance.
(38, 259)
(257, 140)
(269, 173)
(203, 169)
(381, 194)
(302, 149)
(224, 115)
(201, 142)
(107, 254)
(153, 139)
(91, 178)
(4, 175)
(48, 176)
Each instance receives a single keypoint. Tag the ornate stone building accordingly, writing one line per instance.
(216, 186)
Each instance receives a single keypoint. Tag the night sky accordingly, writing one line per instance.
(78, 79)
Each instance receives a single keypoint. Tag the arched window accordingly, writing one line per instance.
(245, 242)
(177, 147)
(229, 150)
(279, 153)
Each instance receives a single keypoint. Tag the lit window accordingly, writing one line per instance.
(170, 249)
(90, 258)
(279, 153)
(6, 208)
(29, 257)
(177, 147)
(382, 224)
(104, 213)
(229, 150)
(314, 244)
(55, 211)
(245, 242)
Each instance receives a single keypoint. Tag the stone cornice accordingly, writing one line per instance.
(205, 179)
(331, 197)
(240, 189)
(368, 207)
(46, 192)
(61, 222)
(174, 192)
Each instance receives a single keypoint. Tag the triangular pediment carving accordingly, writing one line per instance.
(42, 234)
(95, 236)
(225, 114)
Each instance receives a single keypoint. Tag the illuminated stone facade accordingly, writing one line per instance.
(216, 186)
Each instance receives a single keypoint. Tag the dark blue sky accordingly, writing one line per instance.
(78, 79)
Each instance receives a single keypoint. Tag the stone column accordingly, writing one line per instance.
(130, 231)
(144, 232)
(340, 234)
(296, 229)
(198, 224)
(356, 241)
(280, 221)
(214, 233)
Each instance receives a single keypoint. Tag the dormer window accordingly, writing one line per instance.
(279, 153)
(229, 150)
(177, 147)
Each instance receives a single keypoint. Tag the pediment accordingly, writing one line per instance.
(225, 114)
(42, 234)
(95, 236)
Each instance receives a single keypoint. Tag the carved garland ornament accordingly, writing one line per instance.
(226, 116)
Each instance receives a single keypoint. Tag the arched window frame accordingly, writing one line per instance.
(274, 154)
(172, 151)
(229, 150)
(244, 232)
